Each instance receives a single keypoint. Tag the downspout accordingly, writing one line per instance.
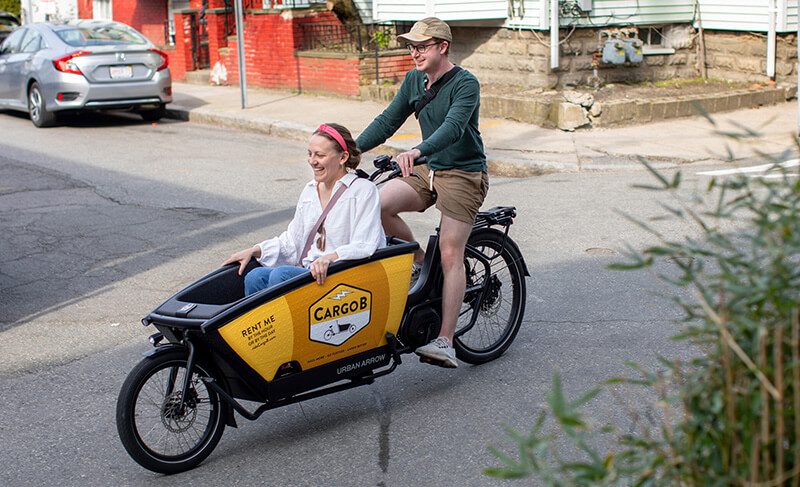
(771, 38)
(554, 34)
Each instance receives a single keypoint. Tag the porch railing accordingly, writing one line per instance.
(351, 37)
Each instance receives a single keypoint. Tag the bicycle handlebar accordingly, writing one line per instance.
(386, 163)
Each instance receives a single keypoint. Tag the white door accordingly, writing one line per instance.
(101, 10)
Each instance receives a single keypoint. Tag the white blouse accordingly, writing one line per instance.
(352, 228)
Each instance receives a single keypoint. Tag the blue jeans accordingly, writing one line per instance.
(264, 277)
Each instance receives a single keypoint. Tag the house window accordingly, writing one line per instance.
(653, 38)
(101, 10)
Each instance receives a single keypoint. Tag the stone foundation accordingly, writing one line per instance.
(742, 56)
(521, 58)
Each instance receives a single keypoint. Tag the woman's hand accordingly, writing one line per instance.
(243, 257)
(319, 268)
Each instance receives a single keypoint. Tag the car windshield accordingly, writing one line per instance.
(8, 22)
(100, 35)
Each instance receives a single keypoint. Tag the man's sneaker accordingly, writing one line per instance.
(415, 271)
(438, 352)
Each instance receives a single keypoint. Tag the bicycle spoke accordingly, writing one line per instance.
(494, 292)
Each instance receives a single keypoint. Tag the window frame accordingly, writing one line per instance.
(5, 46)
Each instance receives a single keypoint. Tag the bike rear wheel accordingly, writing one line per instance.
(501, 308)
(159, 433)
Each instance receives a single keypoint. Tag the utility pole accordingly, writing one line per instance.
(240, 51)
(28, 10)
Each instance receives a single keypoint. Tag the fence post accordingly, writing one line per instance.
(377, 63)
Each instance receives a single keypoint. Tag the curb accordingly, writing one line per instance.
(498, 166)
(617, 112)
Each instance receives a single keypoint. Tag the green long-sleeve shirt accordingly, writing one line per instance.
(449, 123)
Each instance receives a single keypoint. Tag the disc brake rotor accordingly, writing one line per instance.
(177, 418)
(491, 301)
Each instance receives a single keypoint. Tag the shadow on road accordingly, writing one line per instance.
(62, 241)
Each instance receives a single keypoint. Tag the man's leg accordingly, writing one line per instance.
(397, 197)
(453, 236)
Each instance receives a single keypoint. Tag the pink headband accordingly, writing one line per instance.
(333, 133)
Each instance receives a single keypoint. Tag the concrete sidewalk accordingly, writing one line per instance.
(513, 149)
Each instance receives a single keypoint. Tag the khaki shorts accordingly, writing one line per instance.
(459, 193)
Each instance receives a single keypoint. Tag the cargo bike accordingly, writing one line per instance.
(301, 340)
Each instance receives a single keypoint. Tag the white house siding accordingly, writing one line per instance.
(470, 10)
(54, 10)
(609, 12)
(529, 14)
(643, 12)
(740, 15)
(791, 17)
(364, 8)
(747, 15)
(388, 10)
(450, 10)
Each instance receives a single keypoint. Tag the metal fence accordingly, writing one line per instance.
(351, 37)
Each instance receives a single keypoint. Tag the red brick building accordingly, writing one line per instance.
(150, 17)
(277, 50)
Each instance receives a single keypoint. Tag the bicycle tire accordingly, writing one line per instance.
(503, 308)
(168, 422)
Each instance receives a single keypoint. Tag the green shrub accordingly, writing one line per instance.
(731, 416)
(11, 6)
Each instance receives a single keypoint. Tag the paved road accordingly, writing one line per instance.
(102, 219)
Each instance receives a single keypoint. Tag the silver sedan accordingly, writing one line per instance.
(48, 69)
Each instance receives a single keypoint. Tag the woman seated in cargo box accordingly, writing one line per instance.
(338, 217)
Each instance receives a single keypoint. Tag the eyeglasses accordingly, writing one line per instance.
(321, 238)
(420, 48)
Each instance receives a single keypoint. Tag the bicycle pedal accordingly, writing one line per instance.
(433, 361)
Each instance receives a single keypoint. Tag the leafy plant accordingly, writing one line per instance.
(730, 416)
(10, 6)
(381, 38)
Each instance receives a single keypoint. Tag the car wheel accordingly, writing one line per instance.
(153, 115)
(39, 114)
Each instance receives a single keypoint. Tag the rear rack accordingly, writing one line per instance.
(499, 215)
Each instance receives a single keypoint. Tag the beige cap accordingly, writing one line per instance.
(427, 29)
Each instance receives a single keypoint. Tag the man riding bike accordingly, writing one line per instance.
(445, 98)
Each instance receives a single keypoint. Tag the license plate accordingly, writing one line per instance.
(120, 72)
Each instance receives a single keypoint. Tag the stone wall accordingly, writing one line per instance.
(521, 58)
(742, 56)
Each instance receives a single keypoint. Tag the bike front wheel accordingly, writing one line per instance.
(499, 304)
(159, 431)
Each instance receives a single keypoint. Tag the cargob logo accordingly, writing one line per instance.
(339, 315)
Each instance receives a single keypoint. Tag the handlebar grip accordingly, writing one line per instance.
(387, 162)
(382, 162)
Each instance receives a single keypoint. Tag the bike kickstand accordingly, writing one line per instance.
(394, 346)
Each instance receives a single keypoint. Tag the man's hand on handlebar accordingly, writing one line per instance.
(405, 161)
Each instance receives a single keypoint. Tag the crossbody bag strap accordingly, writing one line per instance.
(320, 221)
(431, 92)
